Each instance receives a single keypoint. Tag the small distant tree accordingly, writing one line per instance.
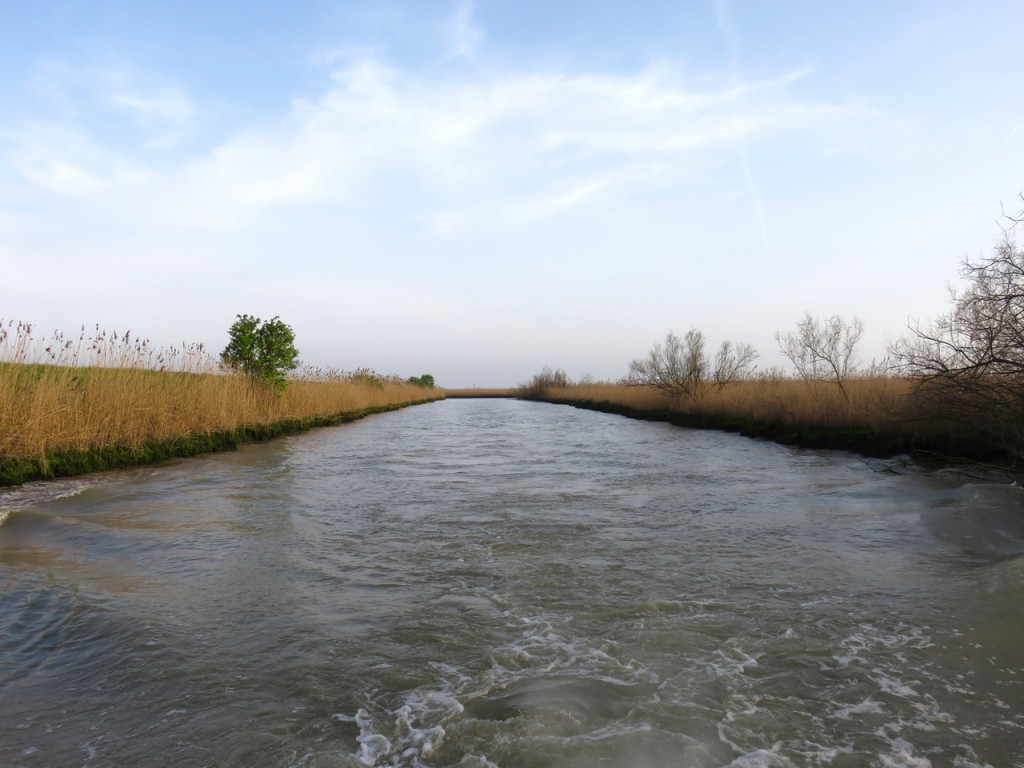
(426, 381)
(823, 349)
(263, 351)
(537, 388)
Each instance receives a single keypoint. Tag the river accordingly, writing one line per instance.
(483, 583)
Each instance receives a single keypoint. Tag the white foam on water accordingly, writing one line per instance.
(372, 745)
(895, 687)
(970, 760)
(885, 655)
(30, 495)
(763, 758)
(901, 705)
(68, 493)
(902, 756)
(867, 707)
(90, 750)
(733, 660)
(408, 732)
(541, 649)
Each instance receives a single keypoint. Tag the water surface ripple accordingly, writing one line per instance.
(499, 583)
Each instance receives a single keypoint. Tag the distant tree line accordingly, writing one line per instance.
(966, 366)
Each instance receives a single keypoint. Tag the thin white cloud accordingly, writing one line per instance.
(464, 38)
(727, 26)
(165, 113)
(63, 160)
(514, 147)
(161, 111)
(564, 200)
(755, 194)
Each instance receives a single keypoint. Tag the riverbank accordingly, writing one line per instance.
(101, 458)
(874, 422)
(480, 392)
(109, 401)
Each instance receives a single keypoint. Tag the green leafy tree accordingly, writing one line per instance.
(426, 381)
(263, 351)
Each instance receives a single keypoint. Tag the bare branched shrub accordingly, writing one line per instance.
(678, 368)
(968, 364)
(823, 349)
(538, 387)
(681, 369)
(733, 362)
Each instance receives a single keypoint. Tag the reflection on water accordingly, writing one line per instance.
(480, 583)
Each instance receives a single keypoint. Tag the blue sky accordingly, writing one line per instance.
(479, 189)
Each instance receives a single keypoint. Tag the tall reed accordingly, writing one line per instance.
(876, 402)
(879, 415)
(60, 393)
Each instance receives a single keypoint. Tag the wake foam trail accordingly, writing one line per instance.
(545, 685)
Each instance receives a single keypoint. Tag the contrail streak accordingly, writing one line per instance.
(727, 26)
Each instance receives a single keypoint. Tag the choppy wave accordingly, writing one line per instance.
(562, 693)
(552, 685)
(34, 495)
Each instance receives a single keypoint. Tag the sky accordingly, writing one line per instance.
(479, 189)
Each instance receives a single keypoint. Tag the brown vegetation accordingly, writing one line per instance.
(968, 364)
(101, 389)
(481, 392)
(873, 402)
(953, 387)
(872, 415)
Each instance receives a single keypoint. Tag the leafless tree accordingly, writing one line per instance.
(678, 368)
(733, 362)
(823, 349)
(969, 363)
(681, 368)
(537, 388)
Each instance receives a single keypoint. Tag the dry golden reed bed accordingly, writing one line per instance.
(481, 392)
(876, 402)
(101, 389)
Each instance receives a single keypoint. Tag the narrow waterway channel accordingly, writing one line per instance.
(502, 583)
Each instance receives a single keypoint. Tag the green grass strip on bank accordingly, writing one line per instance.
(104, 458)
